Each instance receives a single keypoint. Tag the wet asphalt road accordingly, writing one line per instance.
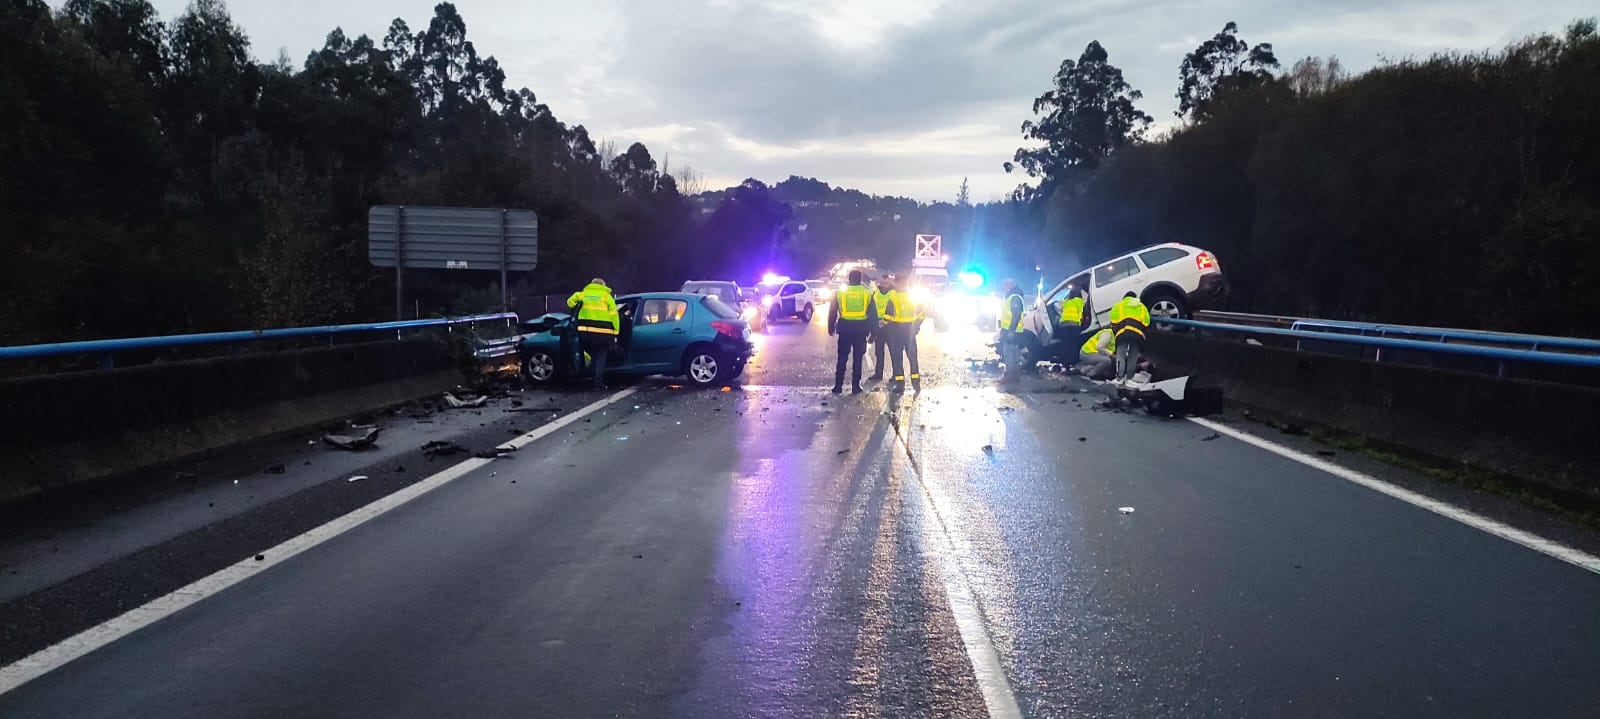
(776, 551)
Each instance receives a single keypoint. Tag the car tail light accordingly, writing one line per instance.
(1204, 261)
(723, 327)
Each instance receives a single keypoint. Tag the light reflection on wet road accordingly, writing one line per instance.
(778, 551)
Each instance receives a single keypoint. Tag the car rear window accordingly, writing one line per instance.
(721, 291)
(719, 308)
(1161, 255)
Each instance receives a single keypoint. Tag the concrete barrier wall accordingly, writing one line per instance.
(63, 429)
(1540, 433)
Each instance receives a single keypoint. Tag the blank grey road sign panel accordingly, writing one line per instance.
(452, 237)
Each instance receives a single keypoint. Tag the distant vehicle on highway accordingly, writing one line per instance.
(663, 333)
(1172, 279)
(785, 298)
(745, 300)
(821, 291)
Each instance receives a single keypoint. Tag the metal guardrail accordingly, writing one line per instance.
(1431, 334)
(1500, 354)
(108, 348)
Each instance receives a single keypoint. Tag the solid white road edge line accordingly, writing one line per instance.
(55, 656)
(1575, 557)
(998, 697)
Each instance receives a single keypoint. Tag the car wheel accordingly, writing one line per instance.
(539, 367)
(1168, 305)
(807, 314)
(705, 366)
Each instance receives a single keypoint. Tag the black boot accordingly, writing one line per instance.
(838, 388)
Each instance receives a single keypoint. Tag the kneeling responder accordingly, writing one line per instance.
(1130, 319)
(852, 318)
(1095, 357)
(598, 325)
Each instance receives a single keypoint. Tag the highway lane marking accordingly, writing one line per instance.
(998, 697)
(1575, 557)
(78, 645)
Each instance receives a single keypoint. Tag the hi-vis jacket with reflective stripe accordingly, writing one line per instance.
(1102, 343)
(853, 304)
(1130, 315)
(597, 311)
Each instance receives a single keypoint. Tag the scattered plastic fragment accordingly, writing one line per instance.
(440, 448)
(367, 438)
(623, 438)
(842, 451)
(1083, 439)
(988, 449)
(457, 403)
(1210, 437)
(727, 389)
(357, 478)
(1125, 510)
(260, 557)
(271, 469)
(1326, 452)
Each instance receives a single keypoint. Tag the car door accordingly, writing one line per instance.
(1112, 280)
(792, 297)
(1052, 309)
(660, 331)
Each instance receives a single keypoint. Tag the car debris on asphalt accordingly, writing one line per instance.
(1125, 510)
(366, 438)
(441, 448)
(457, 403)
(271, 469)
(357, 478)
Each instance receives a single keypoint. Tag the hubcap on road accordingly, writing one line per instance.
(703, 368)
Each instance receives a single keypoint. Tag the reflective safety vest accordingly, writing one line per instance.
(1103, 342)
(881, 301)
(1130, 315)
(1072, 311)
(597, 311)
(1007, 316)
(853, 301)
(904, 311)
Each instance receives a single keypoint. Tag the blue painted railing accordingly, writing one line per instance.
(108, 348)
(1500, 354)
(1440, 334)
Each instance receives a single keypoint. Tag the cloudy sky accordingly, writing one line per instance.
(889, 96)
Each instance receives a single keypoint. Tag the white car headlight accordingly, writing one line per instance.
(768, 300)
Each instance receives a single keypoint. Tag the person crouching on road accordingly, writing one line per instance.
(1095, 357)
(880, 334)
(1130, 319)
(598, 325)
(852, 317)
(1010, 339)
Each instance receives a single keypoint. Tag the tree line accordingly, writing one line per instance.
(1461, 190)
(157, 179)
